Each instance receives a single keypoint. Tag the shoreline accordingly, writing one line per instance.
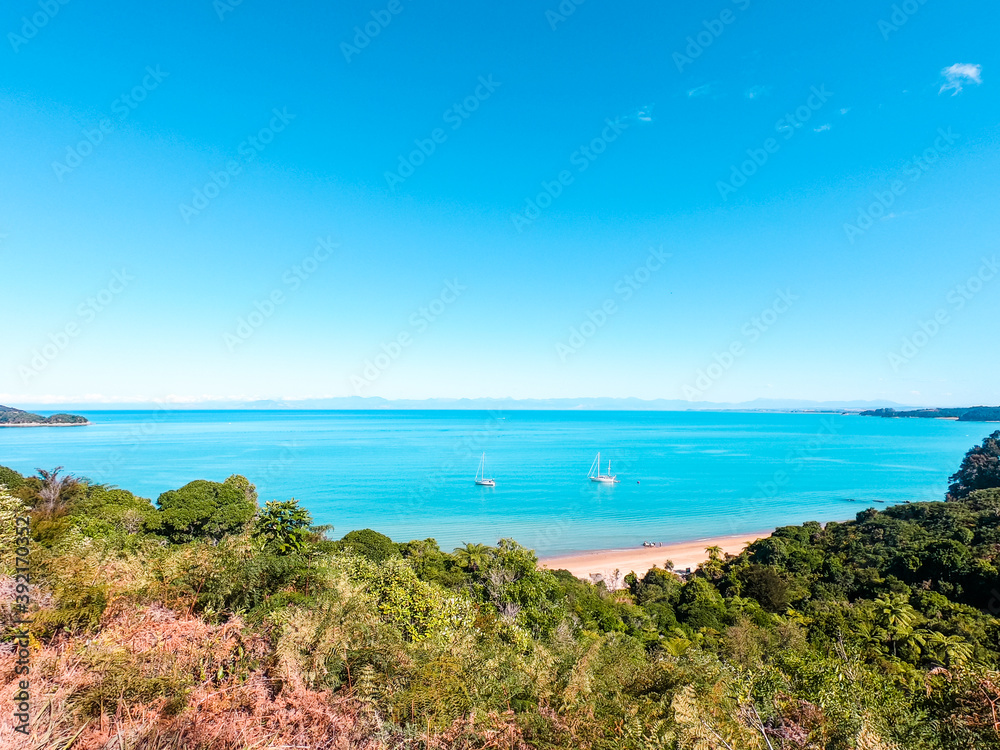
(687, 554)
(45, 424)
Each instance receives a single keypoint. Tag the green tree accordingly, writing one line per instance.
(370, 544)
(201, 510)
(430, 563)
(949, 650)
(700, 605)
(511, 581)
(472, 556)
(980, 469)
(244, 485)
(896, 617)
(11, 479)
(765, 586)
(110, 512)
(713, 566)
(282, 527)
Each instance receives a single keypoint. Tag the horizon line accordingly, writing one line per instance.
(362, 403)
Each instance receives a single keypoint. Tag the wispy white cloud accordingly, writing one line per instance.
(756, 92)
(701, 90)
(822, 128)
(959, 75)
(644, 114)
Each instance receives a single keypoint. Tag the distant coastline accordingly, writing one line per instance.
(967, 414)
(11, 417)
(581, 404)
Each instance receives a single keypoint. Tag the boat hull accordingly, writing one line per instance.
(486, 483)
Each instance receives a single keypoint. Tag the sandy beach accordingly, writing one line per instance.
(641, 559)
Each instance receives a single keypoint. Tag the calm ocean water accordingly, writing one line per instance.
(409, 474)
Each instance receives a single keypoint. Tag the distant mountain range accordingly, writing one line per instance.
(512, 404)
(11, 416)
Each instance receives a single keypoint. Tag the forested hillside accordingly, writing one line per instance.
(209, 621)
(972, 414)
(10, 415)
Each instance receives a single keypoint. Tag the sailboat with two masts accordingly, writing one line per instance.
(595, 474)
(481, 479)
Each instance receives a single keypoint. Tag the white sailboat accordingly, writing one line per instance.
(595, 474)
(481, 479)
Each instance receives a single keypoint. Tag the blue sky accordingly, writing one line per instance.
(222, 200)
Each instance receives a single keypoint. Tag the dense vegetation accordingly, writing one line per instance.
(965, 414)
(206, 621)
(10, 415)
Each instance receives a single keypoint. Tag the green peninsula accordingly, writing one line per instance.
(10, 416)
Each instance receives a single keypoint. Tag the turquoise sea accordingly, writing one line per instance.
(409, 474)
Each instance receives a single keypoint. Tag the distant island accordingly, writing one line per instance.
(969, 414)
(10, 416)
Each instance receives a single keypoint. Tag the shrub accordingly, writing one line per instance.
(282, 527)
(244, 485)
(701, 605)
(370, 545)
(241, 580)
(111, 513)
(11, 478)
(201, 509)
(766, 586)
(11, 508)
(980, 469)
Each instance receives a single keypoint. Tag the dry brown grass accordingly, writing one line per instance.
(154, 678)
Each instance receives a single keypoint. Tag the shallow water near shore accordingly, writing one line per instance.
(409, 474)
